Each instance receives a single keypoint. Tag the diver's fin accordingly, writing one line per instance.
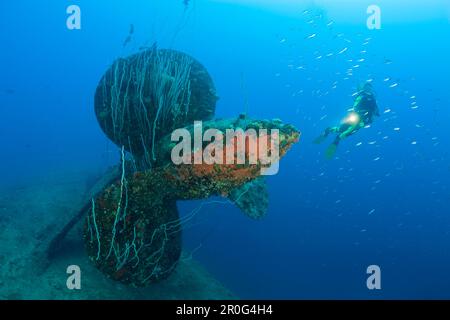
(331, 150)
(320, 139)
(252, 198)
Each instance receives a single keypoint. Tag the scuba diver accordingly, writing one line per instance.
(364, 109)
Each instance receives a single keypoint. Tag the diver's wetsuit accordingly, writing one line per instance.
(364, 109)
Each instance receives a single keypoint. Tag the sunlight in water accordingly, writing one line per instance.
(350, 10)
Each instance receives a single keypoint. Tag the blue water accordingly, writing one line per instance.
(383, 200)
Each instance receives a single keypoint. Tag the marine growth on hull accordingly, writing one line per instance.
(132, 229)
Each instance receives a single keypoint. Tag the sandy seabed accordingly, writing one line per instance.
(32, 213)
